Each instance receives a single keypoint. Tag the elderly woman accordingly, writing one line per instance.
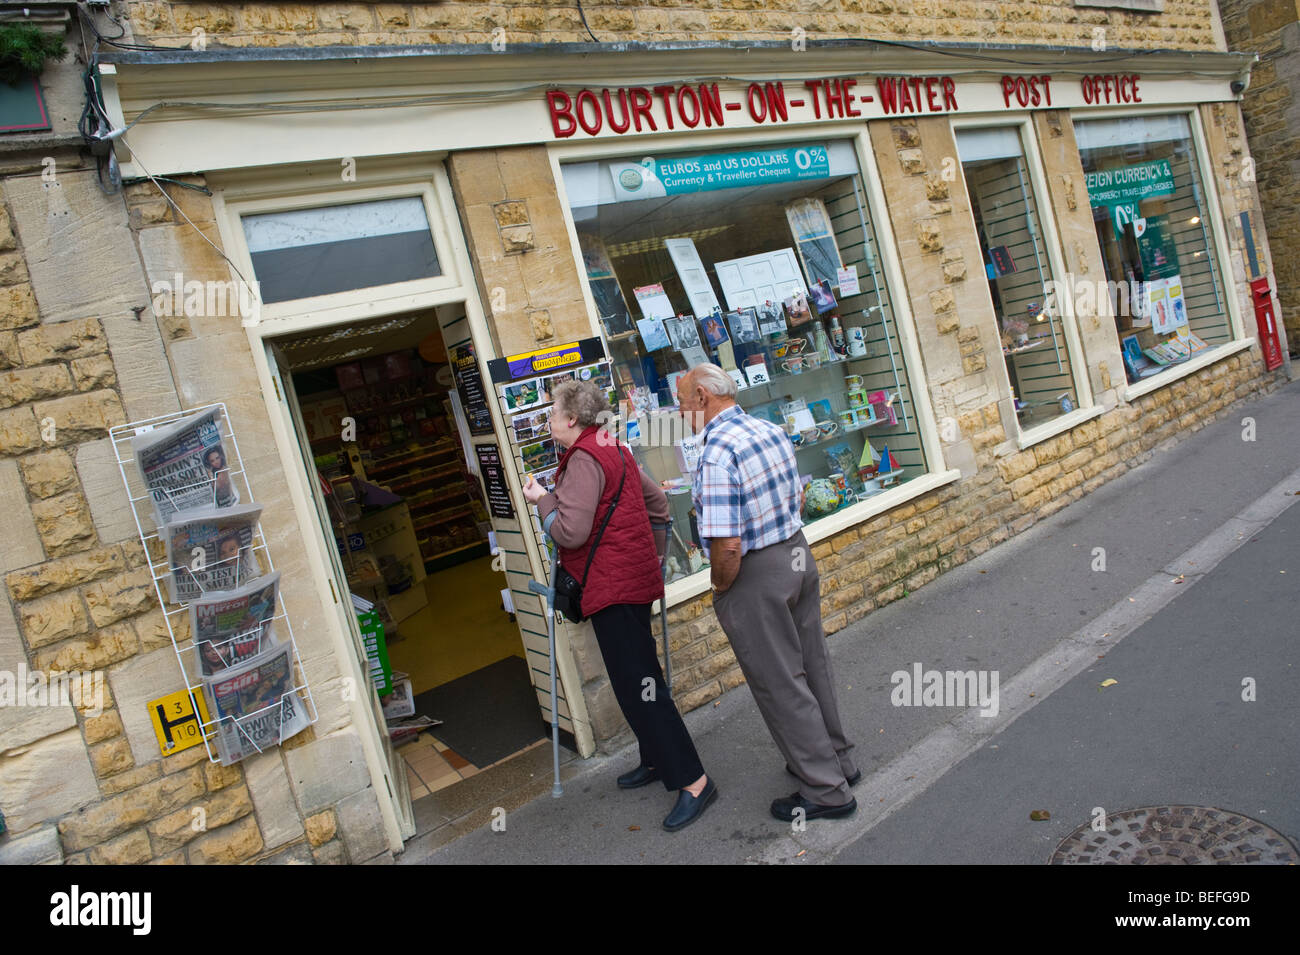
(623, 581)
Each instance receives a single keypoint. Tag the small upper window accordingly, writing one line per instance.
(309, 252)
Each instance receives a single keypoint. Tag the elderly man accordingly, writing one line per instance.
(765, 589)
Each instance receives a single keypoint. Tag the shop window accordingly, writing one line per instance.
(308, 252)
(1015, 261)
(765, 262)
(1150, 211)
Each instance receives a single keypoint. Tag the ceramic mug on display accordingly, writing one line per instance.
(788, 348)
(812, 361)
(809, 435)
(853, 382)
(857, 399)
(826, 428)
(848, 419)
(857, 342)
(793, 365)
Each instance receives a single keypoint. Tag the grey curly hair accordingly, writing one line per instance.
(584, 400)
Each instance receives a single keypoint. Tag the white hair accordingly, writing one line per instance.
(714, 380)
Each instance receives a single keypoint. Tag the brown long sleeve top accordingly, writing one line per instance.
(577, 494)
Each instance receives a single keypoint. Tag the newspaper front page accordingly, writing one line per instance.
(211, 550)
(184, 465)
(230, 626)
(254, 704)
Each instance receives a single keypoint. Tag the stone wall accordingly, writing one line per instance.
(1271, 106)
(82, 351)
(1184, 24)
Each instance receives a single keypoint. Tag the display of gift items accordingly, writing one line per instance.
(799, 358)
(396, 484)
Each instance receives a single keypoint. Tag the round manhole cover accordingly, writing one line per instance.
(1176, 835)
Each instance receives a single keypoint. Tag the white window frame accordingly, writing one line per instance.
(1086, 408)
(273, 194)
(1241, 341)
(904, 323)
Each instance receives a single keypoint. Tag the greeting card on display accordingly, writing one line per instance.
(743, 325)
(524, 394)
(1174, 301)
(738, 377)
(771, 320)
(695, 356)
(846, 280)
(796, 308)
(1162, 319)
(599, 373)
(755, 369)
(652, 333)
(529, 427)
(539, 456)
(682, 332)
(654, 301)
(715, 333)
(821, 298)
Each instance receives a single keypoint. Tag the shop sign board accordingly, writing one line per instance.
(469, 385)
(546, 361)
(683, 106)
(494, 480)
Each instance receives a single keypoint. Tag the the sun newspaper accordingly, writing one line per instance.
(184, 465)
(210, 550)
(254, 704)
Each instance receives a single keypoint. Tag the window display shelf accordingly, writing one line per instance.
(789, 376)
(444, 519)
(399, 460)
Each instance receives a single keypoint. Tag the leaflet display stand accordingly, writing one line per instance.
(225, 736)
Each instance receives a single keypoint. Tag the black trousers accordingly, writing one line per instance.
(628, 648)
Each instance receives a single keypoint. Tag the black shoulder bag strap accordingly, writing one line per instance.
(592, 553)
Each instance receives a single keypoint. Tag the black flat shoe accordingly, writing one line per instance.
(852, 780)
(641, 776)
(689, 808)
(784, 808)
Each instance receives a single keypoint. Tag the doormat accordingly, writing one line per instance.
(486, 715)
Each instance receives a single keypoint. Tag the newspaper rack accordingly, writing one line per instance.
(215, 729)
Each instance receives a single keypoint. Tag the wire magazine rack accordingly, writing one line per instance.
(187, 652)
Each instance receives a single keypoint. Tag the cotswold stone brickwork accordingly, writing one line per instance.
(86, 783)
(1271, 106)
(1184, 24)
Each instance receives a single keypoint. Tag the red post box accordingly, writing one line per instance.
(1269, 342)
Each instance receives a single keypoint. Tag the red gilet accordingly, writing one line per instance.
(626, 567)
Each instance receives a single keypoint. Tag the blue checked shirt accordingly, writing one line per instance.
(746, 482)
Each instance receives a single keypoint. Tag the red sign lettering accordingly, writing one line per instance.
(1027, 90)
(903, 94)
(1110, 88)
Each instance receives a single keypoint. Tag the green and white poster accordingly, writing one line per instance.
(1122, 189)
